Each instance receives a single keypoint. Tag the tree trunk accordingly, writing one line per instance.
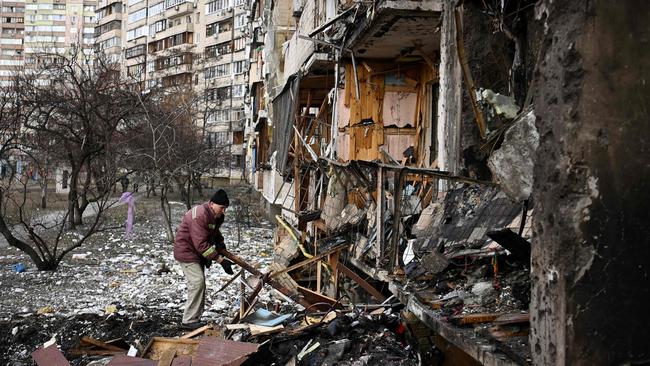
(189, 192)
(44, 194)
(166, 214)
(83, 198)
(41, 263)
(72, 199)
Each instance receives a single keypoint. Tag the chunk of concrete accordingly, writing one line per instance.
(512, 165)
(502, 104)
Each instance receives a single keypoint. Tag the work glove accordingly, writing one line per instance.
(217, 245)
(227, 266)
(206, 262)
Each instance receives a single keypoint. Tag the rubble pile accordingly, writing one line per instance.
(132, 282)
(354, 337)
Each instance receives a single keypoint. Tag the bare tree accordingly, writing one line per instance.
(169, 147)
(82, 107)
(70, 112)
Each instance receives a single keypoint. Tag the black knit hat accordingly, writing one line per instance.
(220, 197)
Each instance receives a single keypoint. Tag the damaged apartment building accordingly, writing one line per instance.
(452, 156)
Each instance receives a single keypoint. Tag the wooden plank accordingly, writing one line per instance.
(242, 297)
(237, 326)
(319, 273)
(262, 330)
(501, 332)
(196, 332)
(275, 284)
(333, 260)
(363, 283)
(95, 342)
(167, 357)
(473, 318)
(95, 352)
(467, 75)
(516, 318)
(315, 297)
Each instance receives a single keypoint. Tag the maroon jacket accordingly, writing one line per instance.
(199, 226)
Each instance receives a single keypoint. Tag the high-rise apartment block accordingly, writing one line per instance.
(34, 31)
(199, 47)
(12, 25)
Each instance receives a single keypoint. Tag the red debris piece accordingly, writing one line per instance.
(213, 351)
(50, 356)
(123, 360)
(182, 361)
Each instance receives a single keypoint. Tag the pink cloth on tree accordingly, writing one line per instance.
(129, 198)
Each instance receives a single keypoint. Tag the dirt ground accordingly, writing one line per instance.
(116, 287)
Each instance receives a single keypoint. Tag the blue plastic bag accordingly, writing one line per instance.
(18, 267)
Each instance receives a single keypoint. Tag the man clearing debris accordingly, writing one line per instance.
(197, 243)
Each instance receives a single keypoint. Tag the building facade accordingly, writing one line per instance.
(196, 47)
(12, 27)
(200, 48)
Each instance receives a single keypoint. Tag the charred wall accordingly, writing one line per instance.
(589, 260)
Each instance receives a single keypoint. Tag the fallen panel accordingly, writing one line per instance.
(49, 356)
(217, 352)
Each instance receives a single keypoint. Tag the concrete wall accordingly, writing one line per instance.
(590, 255)
(449, 99)
(299, 50)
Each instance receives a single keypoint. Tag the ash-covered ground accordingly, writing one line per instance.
(117, 287)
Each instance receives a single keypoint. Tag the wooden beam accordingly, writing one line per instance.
(474, 318)
(310, 260)
(261, 330)
(98, 343)
(467, 75)
(196, 332)
(363, 283)
(265, 278)
(316, 297)
(333, 260)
